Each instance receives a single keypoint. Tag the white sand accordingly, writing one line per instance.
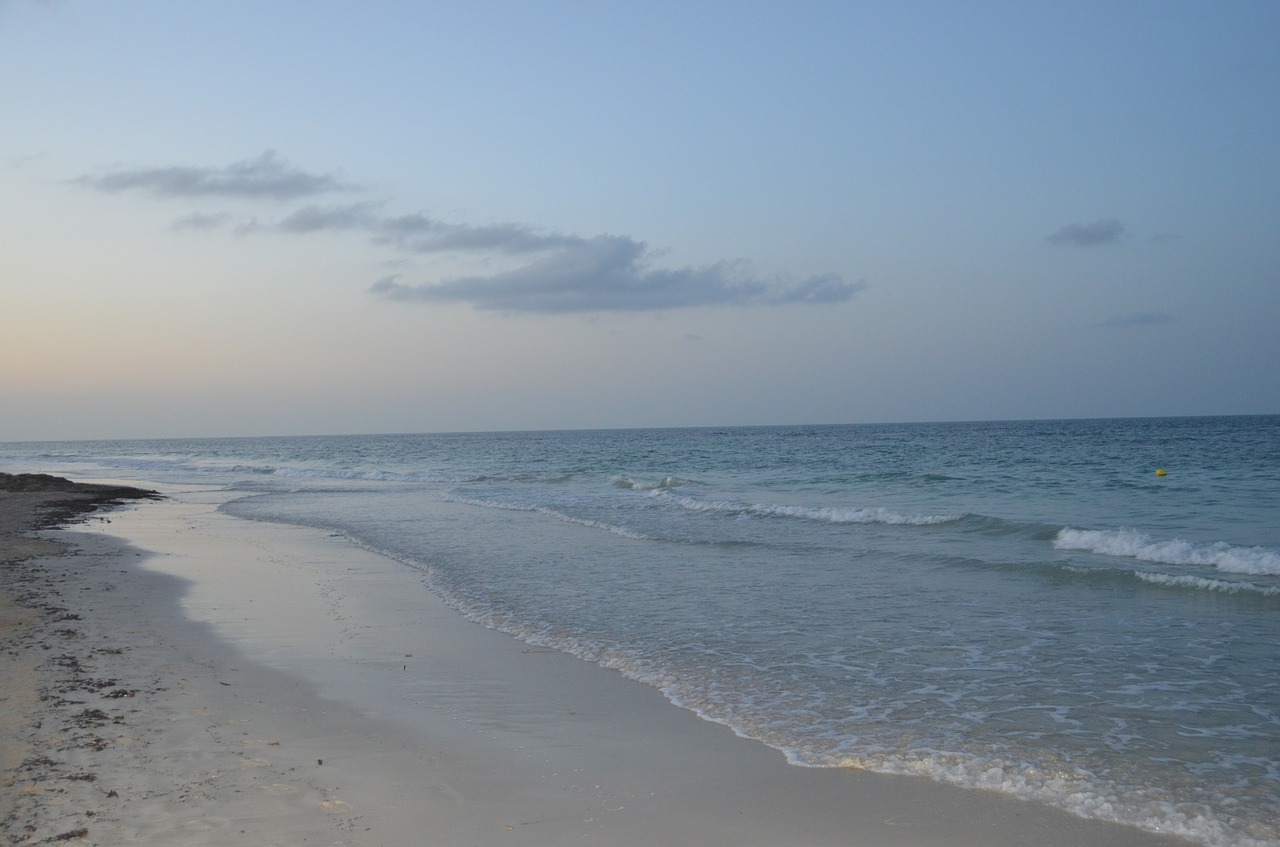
(294, 689)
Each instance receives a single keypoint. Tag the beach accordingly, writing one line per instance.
(173, 674)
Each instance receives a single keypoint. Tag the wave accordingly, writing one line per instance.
(1133, 544)
(1105, 578)
(213, 467)
(366, 476)
(1202, 584)
(490, 503)
(1055, 782)
(1065, 786)
(413, 476)
(821, 514)
(149, 465)
(664, 484)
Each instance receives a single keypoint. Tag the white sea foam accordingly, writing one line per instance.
(1202, 584)
(1068, 788)
(823, 514)
(664, 484)
(1139, 545)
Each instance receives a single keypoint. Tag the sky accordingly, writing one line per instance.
(312, 217)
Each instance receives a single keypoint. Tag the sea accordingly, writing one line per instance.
(1083, 613)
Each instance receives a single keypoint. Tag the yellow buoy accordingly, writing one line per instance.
(1160, 472)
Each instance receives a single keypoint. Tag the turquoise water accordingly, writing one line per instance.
(1023, 607)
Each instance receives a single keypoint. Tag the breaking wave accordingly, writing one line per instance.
(664, 484)
(1133, 544)
(1202, 584)
(822, 514)
(511, 506)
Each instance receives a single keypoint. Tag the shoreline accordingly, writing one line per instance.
(283, 686)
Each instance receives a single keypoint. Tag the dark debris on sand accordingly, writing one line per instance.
(65, 501)
(52, 788)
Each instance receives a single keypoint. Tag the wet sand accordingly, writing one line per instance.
(176, 675)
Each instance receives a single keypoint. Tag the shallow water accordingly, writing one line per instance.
(1021, 606)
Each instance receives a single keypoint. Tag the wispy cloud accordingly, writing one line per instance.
(825, 288)
(201, 220)
(265, 177)
(1138, 319)
(562, 273)
(315, 218)
(416, 232)
(612, 273)
(1096, 234)
(555, 273)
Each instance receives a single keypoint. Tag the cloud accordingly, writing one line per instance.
(562, 273)
(1108, 231)
(826, 288)
(556, 273)
(611, 273)
(1138, 319)
(416, 232)
(314, 218)
(266, 177)
(419, 234)
(201, 220)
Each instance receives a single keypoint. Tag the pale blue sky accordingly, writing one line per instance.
(312, 217)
